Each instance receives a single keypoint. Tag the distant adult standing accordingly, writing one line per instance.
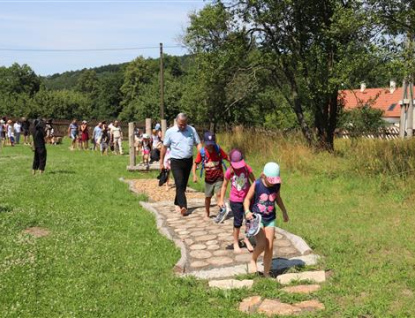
(17, 130)
(39, 147)
(73, 133)
(26, 130)
(96, 136)
(84, 135)
(181, 139)
(116, 133)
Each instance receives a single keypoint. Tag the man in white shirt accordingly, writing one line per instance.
(17, 130)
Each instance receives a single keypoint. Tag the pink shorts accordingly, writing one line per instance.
(146, 152)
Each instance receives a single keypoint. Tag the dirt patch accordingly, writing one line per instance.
(37, 231)
(150, 187)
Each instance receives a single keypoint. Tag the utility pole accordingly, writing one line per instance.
(161, 83)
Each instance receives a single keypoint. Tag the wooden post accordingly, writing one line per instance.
(161, 83)
(131, 144)
(403, 111)
(410, 118)
(148, 126)
(163, 128)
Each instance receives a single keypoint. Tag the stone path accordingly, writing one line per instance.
(205, 245)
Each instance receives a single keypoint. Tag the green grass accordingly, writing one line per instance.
(105, 258)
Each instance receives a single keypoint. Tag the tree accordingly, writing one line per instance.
(19, 79)
(215, 85)
(137, 74)
(310, 48)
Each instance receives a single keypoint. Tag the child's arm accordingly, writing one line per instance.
(194, 172)
(197, 161)
(281, 205)
(247, 201)
(223, 192)
(252, 177)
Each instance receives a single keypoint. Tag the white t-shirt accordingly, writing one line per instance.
(10, 131)
(17, 128)
(116, 132)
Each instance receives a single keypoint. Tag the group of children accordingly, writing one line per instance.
(250, 198)
(148, 146)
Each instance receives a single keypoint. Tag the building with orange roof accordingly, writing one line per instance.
(386, 99)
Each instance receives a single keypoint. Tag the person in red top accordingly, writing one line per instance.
(211, 157)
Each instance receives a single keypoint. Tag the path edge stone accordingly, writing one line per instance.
(296, 240)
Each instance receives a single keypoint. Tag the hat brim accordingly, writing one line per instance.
(238, 164)
(210, 143)
(274, 180)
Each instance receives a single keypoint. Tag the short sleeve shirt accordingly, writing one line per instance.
(97, 132)
(116, 132)
(240, 183)
(264, 200)
(17, 128)
(213, 164)
(181, 142)
(74, 129)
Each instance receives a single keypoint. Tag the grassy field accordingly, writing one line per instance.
(105, 258)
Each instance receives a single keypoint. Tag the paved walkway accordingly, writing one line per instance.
(206, 247)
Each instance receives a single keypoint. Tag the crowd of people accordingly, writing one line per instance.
(251, 199)
(11, 132)
(104, 136)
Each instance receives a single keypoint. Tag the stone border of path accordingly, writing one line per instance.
(220, 272)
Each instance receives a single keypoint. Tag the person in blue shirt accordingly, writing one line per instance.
(181, 138)
(73, 133)
(96, 136)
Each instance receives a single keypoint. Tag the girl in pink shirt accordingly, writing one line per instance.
(240, 175)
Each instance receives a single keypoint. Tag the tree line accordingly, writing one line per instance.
(274, 64)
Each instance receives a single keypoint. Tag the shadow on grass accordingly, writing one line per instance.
(282, 265)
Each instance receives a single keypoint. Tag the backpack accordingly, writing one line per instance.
(203, 154)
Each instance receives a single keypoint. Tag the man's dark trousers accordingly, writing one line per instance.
(181, 171)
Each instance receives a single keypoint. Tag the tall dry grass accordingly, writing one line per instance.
(376, 156)
(360, 156)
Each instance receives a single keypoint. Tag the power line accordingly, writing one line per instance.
(88, 49)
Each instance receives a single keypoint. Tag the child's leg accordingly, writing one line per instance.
(269, 234)
(209, 192)
(207, 206)
(259, 248)
(238, 217)
(236, 247)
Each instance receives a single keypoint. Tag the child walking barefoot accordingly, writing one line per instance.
(240, 175)
(265, 192)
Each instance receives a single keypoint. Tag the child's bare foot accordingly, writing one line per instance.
(252, 267)
(236, 248)
(248, 244)
(206, 217)
(177, 208)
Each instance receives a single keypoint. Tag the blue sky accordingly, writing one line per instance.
(79, 24)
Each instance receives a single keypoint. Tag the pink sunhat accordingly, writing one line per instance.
(237, 159)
